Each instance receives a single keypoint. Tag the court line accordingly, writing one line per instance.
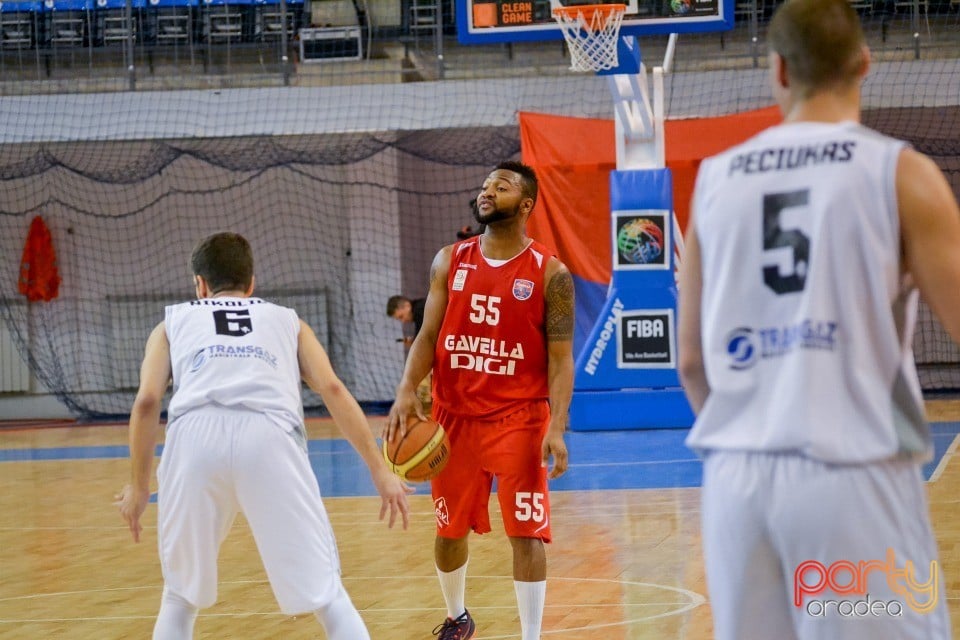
(944, 459)
(629, 463)
(693, 600)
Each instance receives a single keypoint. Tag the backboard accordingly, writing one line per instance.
(487, 21)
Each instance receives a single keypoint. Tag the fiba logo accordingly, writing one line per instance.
(742, 348)
(640, 241)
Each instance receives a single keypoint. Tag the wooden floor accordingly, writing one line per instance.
(624, 564)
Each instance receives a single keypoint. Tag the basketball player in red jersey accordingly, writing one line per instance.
(497, 331)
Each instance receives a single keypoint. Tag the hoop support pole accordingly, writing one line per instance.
(639, 114)
(668, 54)
(632, 102)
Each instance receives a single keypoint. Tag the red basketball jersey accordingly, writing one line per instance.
(491, 355)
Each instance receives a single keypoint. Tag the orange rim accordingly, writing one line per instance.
(588, 10)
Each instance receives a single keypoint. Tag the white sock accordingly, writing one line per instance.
(530, 597)
(453, 584)
(176, 618)
(341, 620)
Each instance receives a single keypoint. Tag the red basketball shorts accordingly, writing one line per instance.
(506, 449)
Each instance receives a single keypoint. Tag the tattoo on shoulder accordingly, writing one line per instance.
(560, 300)
(434, 274)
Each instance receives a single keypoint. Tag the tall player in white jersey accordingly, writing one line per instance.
(235, 442)
(797, 305)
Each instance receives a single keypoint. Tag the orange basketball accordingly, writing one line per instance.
(421, 453)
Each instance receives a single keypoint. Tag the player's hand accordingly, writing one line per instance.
(407, 404)
(132, 504)
(393, 496)
(553, 445)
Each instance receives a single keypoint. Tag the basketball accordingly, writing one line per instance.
(421, 453)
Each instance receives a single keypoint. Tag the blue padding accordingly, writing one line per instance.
(590, 299)
(625, 373)
(69, 5)
(118, 4)
(21, 7)
(597, 363)
(641, 189)
(630, 409)
(220, 3)
(162, 4)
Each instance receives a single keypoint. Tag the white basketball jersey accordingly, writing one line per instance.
(807, 321)
(236, 353)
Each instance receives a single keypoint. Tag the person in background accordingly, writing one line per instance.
(407, 311)
(410, 313)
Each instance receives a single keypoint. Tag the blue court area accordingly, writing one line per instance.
(637, 459)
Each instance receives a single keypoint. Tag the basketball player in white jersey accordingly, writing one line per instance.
(235, 442)
(797, 305)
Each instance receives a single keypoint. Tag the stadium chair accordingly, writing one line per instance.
(269, 19)
(169, 22)
(110, 21)
(225, 21)
(69, 22)
(19, 22)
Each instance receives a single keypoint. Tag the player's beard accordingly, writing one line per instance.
(497, 215)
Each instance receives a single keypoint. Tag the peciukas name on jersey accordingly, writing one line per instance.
(785, 158)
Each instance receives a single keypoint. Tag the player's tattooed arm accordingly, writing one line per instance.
(436, 279)
(560, 305)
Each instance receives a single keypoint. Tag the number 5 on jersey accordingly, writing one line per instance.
(485, 309)
(776, 237)
(529, 506)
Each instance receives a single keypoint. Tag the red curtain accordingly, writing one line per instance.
(573, 158)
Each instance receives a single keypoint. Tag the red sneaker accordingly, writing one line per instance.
(462, 628)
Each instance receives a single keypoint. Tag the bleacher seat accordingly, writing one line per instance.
(110, 21)
(68, 22)
(226, 20)
(269, 19)
(20, 24)
(169, 22)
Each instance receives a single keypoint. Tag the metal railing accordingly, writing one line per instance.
(97, 45)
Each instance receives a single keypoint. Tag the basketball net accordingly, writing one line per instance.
(591, 32)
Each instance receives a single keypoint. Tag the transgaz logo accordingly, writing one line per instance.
(745, 346)
(741, 348)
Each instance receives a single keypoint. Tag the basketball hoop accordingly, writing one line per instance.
(591, 32)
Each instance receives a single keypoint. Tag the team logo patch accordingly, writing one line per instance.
(198, 360)
(440, 509)
(459, 279)
(742, 348)
(522, 289)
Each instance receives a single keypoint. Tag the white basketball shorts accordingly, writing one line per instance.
(798, 549)
(218, 463)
